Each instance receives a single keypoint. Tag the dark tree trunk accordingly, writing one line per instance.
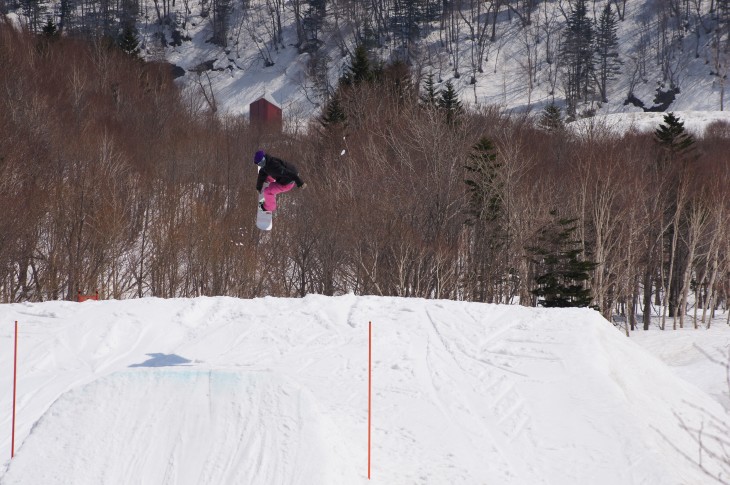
(647, 298)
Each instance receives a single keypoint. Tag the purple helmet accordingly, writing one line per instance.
(258, 157)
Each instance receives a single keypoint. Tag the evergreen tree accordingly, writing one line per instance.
(609, 64)
(482, 182)
(675, 145)
(334, 113)
(551, 119)
(672, 137)
(487, 219)
(578, 52)
(449, 103)
(360, 70)
(430, 94)
(560, 274)
(129, 42)
(50, 30)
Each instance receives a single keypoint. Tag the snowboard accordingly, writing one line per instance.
(264, 219)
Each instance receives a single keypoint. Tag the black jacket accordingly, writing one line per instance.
(283, 172)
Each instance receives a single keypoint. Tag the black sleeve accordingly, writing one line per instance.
(260, 180)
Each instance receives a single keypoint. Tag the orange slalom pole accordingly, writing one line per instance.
(15, 383)
(370, 386)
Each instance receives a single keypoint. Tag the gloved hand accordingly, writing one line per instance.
(303, 186)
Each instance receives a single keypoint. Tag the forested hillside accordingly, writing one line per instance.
(111, 178)
(586, 56)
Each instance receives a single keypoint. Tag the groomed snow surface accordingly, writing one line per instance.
(274, 391)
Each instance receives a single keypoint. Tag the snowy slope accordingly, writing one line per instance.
(269, 391)
(699, 355)
(247, 69)
(240, 75)
(695, 122)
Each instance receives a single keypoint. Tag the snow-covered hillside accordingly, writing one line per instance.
(267, 391)
(520, 68)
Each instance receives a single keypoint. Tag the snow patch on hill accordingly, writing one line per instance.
(695, 122)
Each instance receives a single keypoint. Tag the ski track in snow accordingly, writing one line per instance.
(270, 391)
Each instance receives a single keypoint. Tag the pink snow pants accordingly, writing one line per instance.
(270, 193)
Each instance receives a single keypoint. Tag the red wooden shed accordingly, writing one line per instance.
(266, 111)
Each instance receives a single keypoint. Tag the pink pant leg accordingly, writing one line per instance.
(272, 190)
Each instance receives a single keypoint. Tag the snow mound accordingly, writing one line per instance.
(177, 425)
(221, 390)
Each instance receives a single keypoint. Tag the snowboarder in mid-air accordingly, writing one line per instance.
(280, 175)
